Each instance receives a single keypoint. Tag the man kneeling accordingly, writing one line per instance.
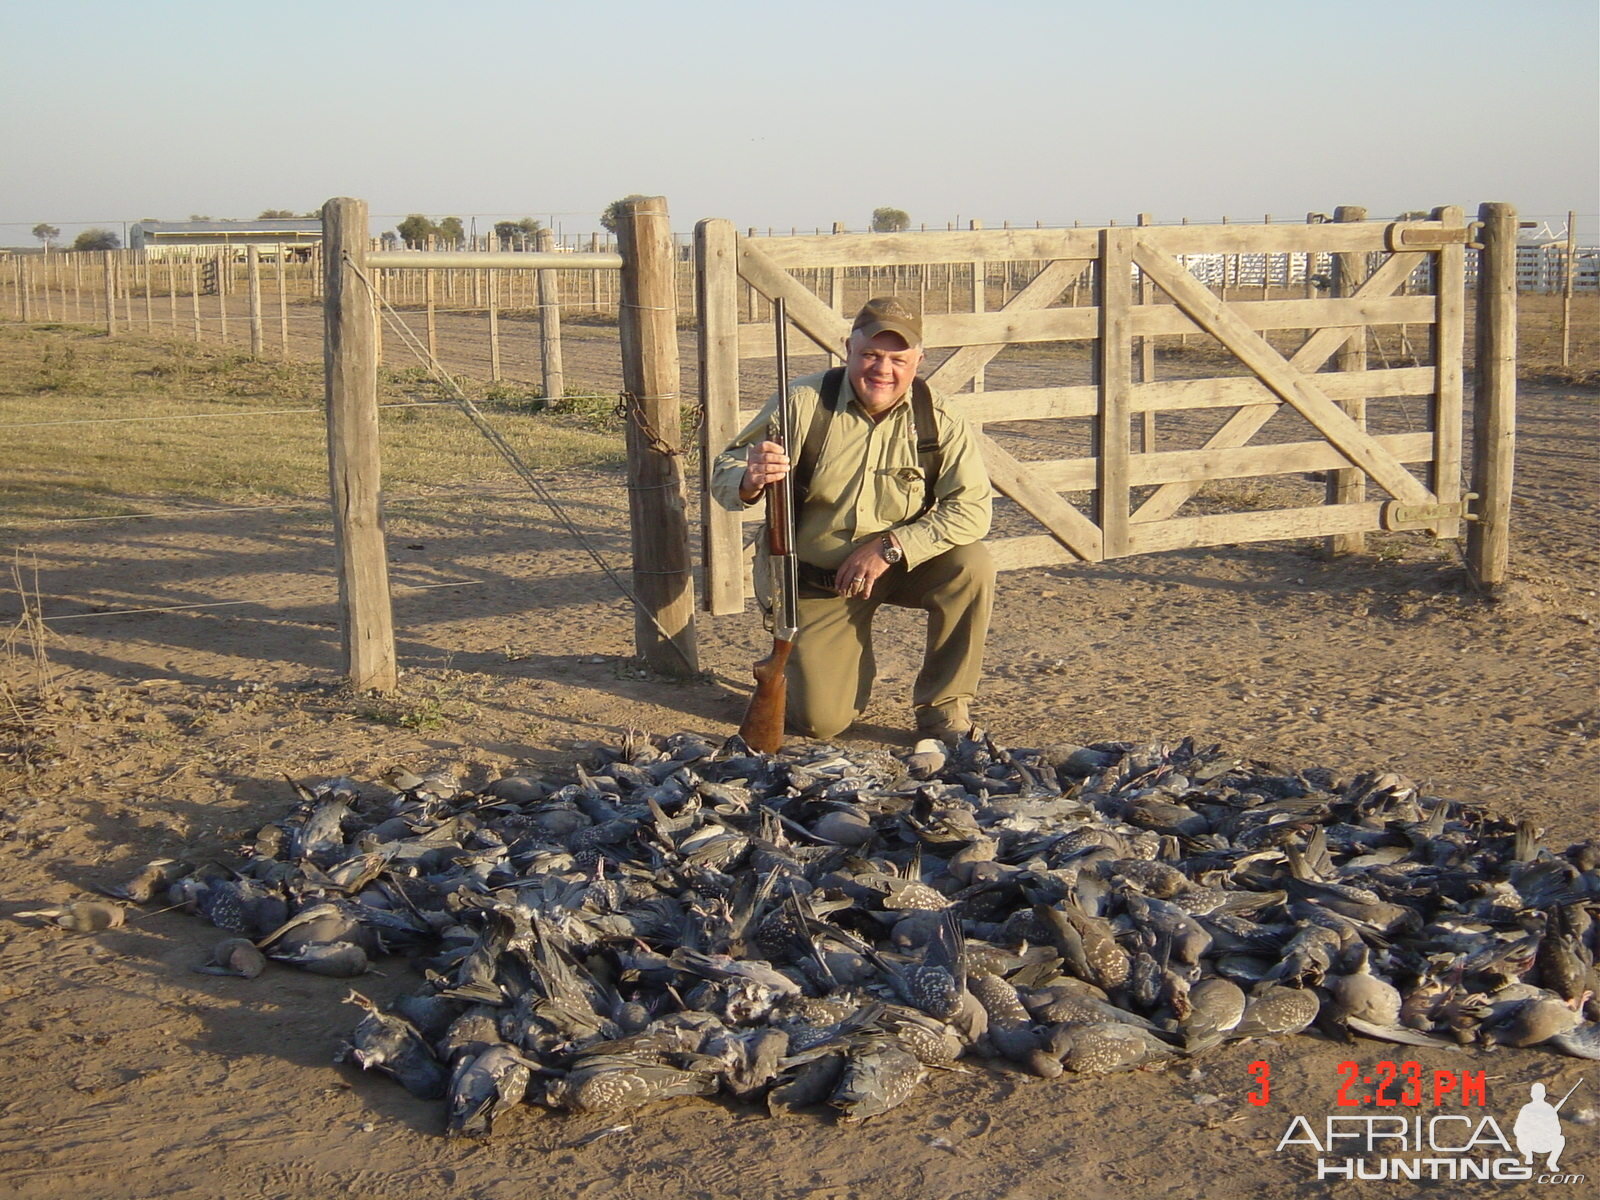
(891, 501)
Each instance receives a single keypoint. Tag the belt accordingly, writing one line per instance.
(817, 578)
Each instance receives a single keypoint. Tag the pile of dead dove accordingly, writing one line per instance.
(675, 918)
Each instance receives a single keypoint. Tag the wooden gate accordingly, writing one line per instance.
(1138, 495)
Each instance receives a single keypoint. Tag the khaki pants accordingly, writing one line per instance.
(831, 669)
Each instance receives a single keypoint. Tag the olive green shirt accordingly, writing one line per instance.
(867, 479)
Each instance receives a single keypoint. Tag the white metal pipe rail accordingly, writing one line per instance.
(505, 260)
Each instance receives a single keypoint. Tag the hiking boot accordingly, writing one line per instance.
(952, 733)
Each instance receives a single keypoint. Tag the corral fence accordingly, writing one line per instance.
(263, 298)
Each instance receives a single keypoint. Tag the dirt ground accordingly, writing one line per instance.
(129, 1075)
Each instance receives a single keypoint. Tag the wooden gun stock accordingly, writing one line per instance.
(762, 728)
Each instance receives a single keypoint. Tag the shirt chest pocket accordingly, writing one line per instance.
(901, 492)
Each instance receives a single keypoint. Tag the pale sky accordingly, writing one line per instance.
(796, 114)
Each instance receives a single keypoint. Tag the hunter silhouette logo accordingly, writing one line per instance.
(1538, 1129)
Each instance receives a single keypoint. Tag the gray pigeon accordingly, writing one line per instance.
(392, 1045)
(1275, 1011)
(483, 1086)
(1216, 1006)
(880, 1075)
(235, 956)
(1103, 1048)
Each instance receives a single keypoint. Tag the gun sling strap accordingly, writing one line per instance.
(831, 397)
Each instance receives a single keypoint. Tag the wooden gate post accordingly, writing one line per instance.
(1348, 485)
(716, 253)
(547, 292)
(657, 504)
(1114, 380)
(350, 363)
(1494, 403)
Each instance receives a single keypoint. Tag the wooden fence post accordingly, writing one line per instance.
(979, 271)
(428, 294)
(547, 292)
(224, 278)
(379, 284)
(350, 362)
(109, 259)
(1567, 278)
(283, 301)
(1494, 404)
(253, 295)
(658, 506)
(1310, 288)
(24, 300)
(492, 299)
(1348, 484)
(194, 295)
(125, 286)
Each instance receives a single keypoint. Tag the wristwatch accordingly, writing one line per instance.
(891, 553)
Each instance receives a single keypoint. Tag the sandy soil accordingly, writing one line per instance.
(128, 1075)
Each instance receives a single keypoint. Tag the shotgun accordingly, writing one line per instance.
(762, 728)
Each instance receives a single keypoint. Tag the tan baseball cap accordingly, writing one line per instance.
(889, 314)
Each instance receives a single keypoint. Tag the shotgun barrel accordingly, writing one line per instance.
(762, 727)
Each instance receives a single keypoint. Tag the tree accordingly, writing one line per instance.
(613, 213)
(890, 220)
(46, 234)
(199, 217)
(96, 239)
(416, 229)
(276, 214)
(452, 231)
(509, 232)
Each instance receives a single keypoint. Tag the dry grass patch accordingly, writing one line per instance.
(97, 426)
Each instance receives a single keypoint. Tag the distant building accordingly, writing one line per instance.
(185, 239)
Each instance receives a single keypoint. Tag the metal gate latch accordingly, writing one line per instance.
(1398, 515)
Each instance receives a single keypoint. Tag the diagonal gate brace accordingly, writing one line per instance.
(1295, 388)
